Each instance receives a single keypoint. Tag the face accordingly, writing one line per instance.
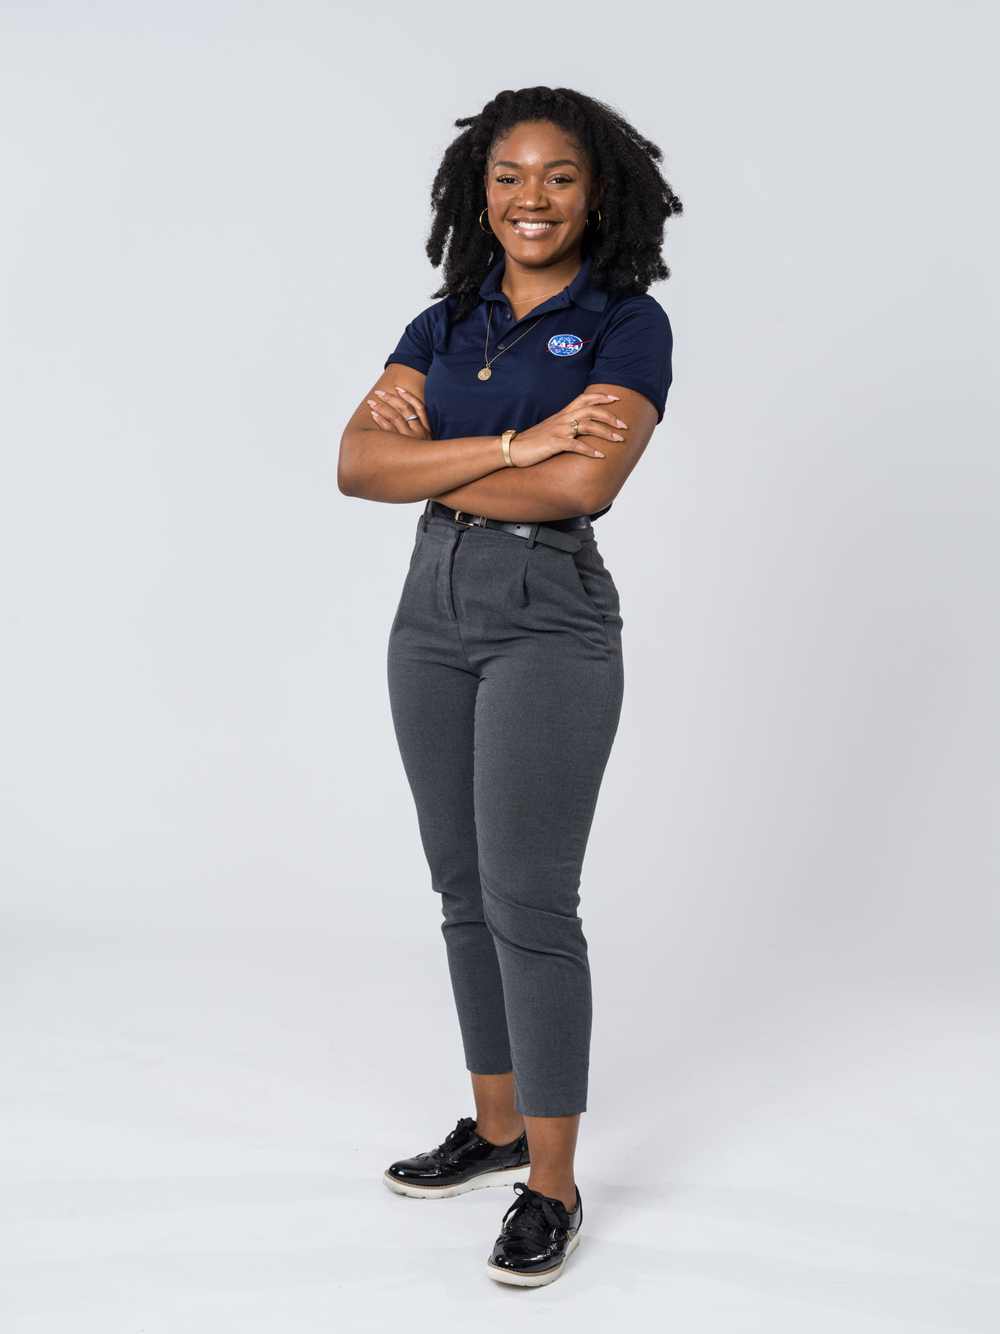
(539, 192)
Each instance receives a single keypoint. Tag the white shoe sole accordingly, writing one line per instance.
(532, 1280)
(505, 1177)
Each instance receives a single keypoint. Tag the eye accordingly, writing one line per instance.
(562, 180)
(506, 180)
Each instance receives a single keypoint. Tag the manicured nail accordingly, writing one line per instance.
(375, 415)
(623, 425)
(401, 391)
(616, 437)
(380, 392)
(615, 398)
(598, 454)
(372, 403)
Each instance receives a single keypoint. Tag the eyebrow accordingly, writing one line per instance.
(562, 162)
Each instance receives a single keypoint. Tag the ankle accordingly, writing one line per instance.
(499, 1133)
(555, 1188)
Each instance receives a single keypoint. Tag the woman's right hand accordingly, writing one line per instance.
(593, 419)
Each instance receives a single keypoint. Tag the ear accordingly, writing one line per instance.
(597, 193)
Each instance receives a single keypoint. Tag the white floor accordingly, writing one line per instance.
(194, 1144)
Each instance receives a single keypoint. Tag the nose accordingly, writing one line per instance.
(532, 196)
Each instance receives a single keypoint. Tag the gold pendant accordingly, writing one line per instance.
(485, 373)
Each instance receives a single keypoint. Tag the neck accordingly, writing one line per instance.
(522, 285)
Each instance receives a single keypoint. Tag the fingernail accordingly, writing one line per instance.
(401, 391)
(616, 437)
(375, 415)
(598, 454)
(380, 392)
(623, 425)
(615, 398)
(372, 403)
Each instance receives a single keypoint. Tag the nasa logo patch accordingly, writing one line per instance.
(565, 345)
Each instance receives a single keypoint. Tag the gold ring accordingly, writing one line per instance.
(576, 426)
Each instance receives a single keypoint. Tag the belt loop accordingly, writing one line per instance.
(532, 534)
(427, 514)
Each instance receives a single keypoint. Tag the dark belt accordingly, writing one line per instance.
(560, 533)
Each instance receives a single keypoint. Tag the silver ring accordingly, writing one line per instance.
(413, 418)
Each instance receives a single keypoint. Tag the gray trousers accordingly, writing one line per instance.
(505, 677)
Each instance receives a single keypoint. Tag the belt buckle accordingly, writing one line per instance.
(473, 521)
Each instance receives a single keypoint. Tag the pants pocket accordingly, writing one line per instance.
(595, 581)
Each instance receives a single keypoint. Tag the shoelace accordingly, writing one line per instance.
(457, 1136)
(532, 1214)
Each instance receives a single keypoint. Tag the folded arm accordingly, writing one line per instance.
(388, 454)
(568, 484)
(402, 462)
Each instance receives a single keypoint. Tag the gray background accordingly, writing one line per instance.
(212, 236)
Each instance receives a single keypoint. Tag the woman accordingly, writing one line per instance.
(519, 404)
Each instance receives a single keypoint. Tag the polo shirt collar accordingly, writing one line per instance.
(580, 292)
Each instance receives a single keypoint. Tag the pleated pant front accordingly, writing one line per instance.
(505, 677)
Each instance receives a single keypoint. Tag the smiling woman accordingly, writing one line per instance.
(516, 408)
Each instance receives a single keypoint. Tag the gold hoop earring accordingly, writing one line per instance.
(587, 223)
(485, 229)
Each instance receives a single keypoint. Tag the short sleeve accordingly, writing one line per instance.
(416, 347)
(634, 350)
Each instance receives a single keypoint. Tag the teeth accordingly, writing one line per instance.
(533, 226)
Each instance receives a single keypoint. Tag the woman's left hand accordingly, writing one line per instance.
(402, 412)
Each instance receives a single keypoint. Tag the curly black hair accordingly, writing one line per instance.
(635, 208)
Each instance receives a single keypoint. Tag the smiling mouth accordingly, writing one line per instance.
(530, 227)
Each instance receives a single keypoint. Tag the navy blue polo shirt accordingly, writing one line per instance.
(577, 338)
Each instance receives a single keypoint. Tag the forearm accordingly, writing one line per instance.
(559, 488)
(381, 465)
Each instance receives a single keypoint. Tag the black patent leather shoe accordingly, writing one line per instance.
(465, 1161)
(538, 1235)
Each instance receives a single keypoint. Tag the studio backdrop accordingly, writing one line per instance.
(213, 229)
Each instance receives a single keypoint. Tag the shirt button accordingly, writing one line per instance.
(501, 348)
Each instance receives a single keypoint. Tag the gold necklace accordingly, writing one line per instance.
(532, 300)
(485, 373)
